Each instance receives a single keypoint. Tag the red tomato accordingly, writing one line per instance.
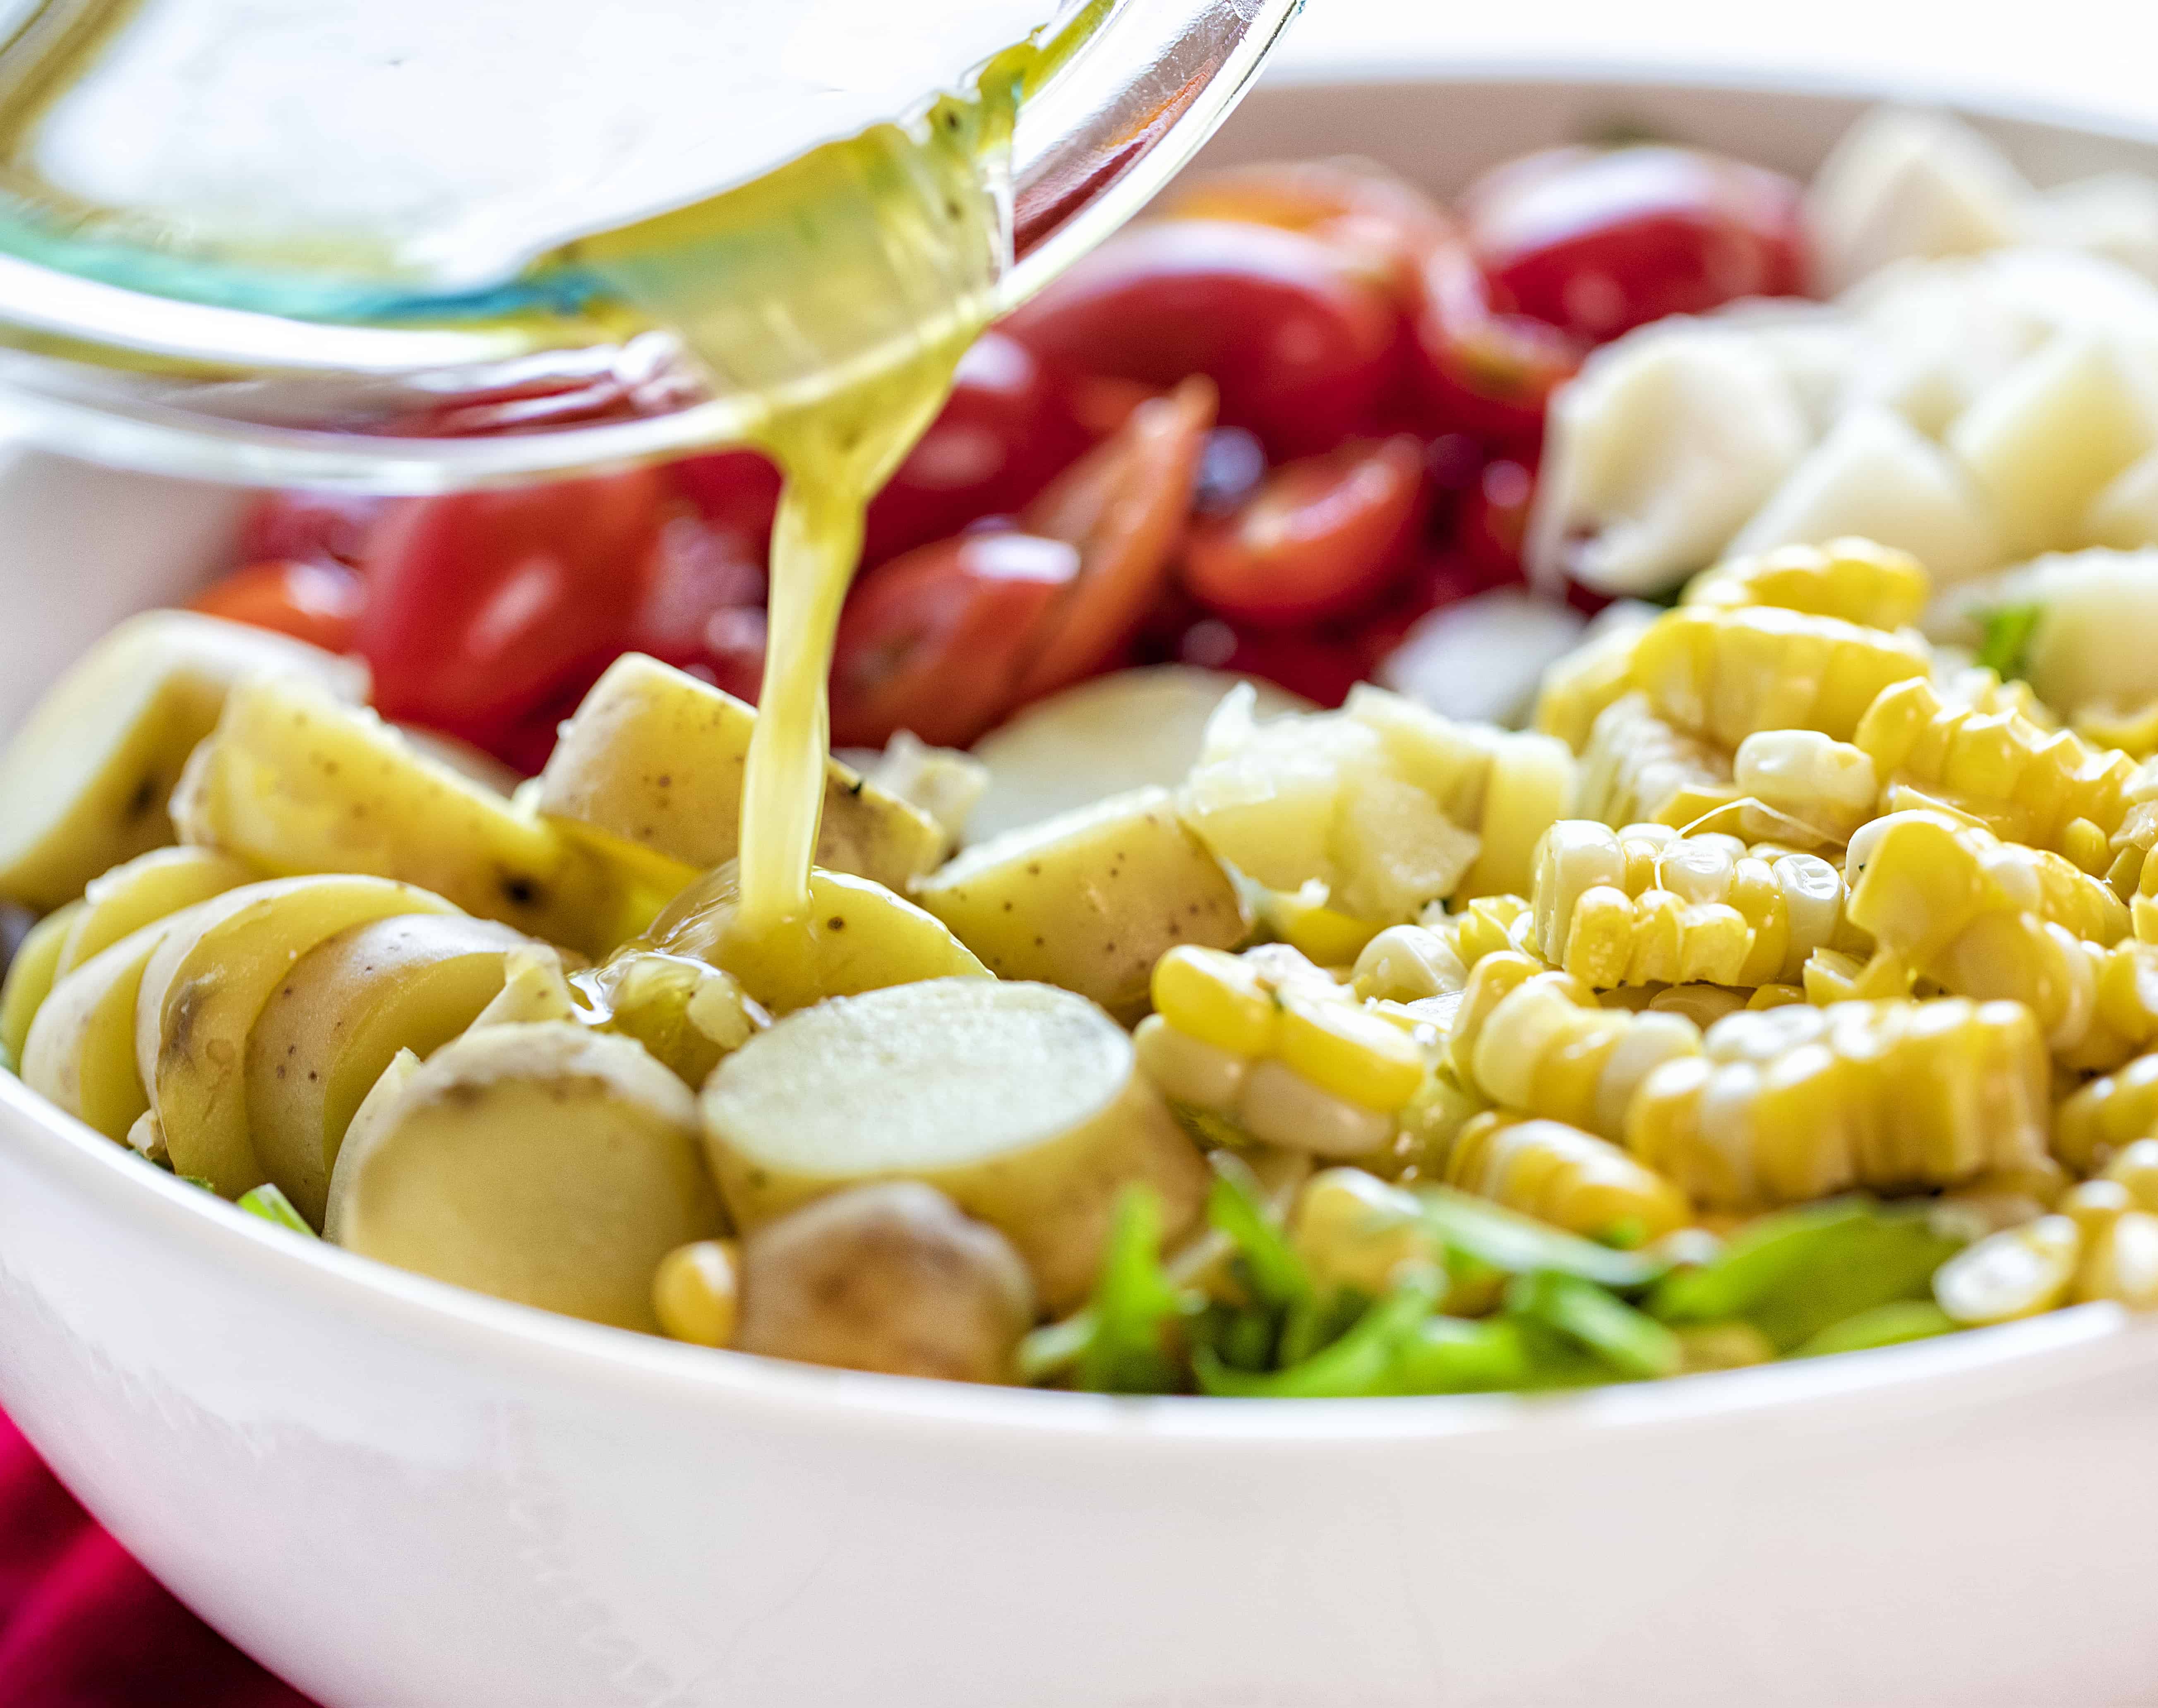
(1350, 205)
(698, 571)
(1299, 341)
(481, 604)
(312, 527)
(736, 490)
(1495, 518)
(1321, 666)
(1322, 535)
(1598, 241)
(933, 641)
(316, 602)
(999, 436)
(1485, 371)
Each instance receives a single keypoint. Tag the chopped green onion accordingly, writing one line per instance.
(1893, 1324)
(1134, 1306)
(1453, 1355)
(273, 1206)
(1357, 1365)
(202, 1181)
(1237, 1206)
(2008, 632)
(1633, 1343)
(1053, 1350)
(1519, 1245)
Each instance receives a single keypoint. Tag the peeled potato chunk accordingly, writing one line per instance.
(84, 782)
(203, 990)
(296, 783)
(1019, 1101)
(347, 1006)
(1089, 899)
(856, 936)
(549, 1165)
(81, 1051)
(654, 758)
(31, 972)
(887, 1277)
(150, 887)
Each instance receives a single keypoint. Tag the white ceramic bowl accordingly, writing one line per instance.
(397, 1493)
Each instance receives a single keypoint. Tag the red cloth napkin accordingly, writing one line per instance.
(83, 1626)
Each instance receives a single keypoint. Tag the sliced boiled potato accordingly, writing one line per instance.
(296, 783)
(1877, 477)
(856, 936)
(550, 1164)
(1020, 1102)
(81, 1051)
(203, 990)
(2052, 434)
(1089, 899)
(654, 758)
(338, 1018)
(31, 970)
(148, 888)
(1129, 729)
(84, 783)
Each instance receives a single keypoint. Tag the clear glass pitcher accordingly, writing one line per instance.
(120, 355)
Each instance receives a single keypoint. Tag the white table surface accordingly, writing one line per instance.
(2098, 55)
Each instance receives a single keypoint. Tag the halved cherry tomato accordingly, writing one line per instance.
(1123, 505)
(736, 490)
(309, 526)
(1322, 535)
(1495, 517)
(999, 436)
(316, 602)
(698, 570)
(1299, 341)
(1351, 205)
(1599, 240)
(933, 641)
(1320, 665)
(479, 605)
(1485, 370)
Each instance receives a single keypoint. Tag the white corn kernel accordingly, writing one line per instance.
(2020, 1272)
(1281, 1108)
(1187, 1070)
(1407, 963)
(1828, 786)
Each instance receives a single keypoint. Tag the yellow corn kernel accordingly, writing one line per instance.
(1703, 1004)
(2018, 1272)
(2136, 1166)
(1187, 1070)
(1549, 1049)
(1491, 925)
(1704, 1346)
(2120, 1263)
(695, 1292)
(2107, 1115)
(1577, 688)
(2094, 1206)
(1826, 788)
(1352, 1230)
(1775, 996)
(1795, 1102)
(1349, 1053)
(2001, 1198)
(1407, 963)
(1638, 767)
(1874, 586)
(1564, 1176)
(1323, 935)
(1279, 1106)
(2026, 783)
(1215, 997)
(1726, 673)
(2134, 730)
(1491, 980)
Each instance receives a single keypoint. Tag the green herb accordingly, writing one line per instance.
(1359, 1364)
(2008, 631)
(1884, 1325)
(1794, 1274)
(1267, 1263)
(1053, 1350)
(1134, 1306)
(1631, 1342)
(1451, 1355)
(273, 1206)
(207, 1185)
(1313, 1321)
(1517, 1245)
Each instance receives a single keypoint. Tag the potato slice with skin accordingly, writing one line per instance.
(654, 758)
(31, 973)
(84, 782)
(858, 936)
(1089, 899)
(150, 887)
(1020, 1102)
(81, 1052)
(549, 1165)
(205, 987)
(339, 1018)
(296, 783)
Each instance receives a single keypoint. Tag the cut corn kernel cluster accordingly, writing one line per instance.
(1799, 1102)
(1491, 925)
(1537, 1042)
(1725, 672)
(1564, 1176)
(2100, 1243)
(1873, 586)
(1638, 767)
(1271, 1043)
(2101, 1120)
(2048, 789)
(1646, 906)
(1577, 688)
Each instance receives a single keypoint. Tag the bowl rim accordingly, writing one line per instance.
(1973, 1368)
